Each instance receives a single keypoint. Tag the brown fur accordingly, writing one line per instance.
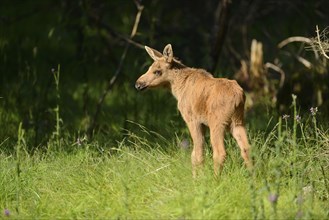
(202, 101)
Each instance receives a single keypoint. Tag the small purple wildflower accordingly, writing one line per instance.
(314, 111)
(299, 200)
(184, 144)
(299, 214)
(285, 117)
(79, 142)
(298, 118)
(6, 212)
(273, 198)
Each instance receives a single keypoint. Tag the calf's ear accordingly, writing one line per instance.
(168, 53)
(154, 54)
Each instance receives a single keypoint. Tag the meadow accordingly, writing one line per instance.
(149, 177)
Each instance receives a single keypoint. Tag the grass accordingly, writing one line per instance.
(147, 176)
(143, 179)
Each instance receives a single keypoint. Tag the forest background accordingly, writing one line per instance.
(96, 49)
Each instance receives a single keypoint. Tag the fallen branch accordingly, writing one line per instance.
(112, 80)
(298, 39)
(294, 39)
(269, 65)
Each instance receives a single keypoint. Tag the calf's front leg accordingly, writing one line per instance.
(197, 134)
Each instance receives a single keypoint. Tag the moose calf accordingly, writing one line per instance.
(202, 101)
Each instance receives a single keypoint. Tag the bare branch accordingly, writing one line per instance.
(112, 80)
(94, 18)
(220, 30)
(322, 51)
(304, 61)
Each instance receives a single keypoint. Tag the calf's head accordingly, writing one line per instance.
(157, 74)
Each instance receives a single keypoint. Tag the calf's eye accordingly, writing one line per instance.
(157, 72)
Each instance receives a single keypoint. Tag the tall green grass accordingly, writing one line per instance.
(146, 179)
(148, 176)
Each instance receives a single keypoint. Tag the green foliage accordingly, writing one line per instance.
(150, 176)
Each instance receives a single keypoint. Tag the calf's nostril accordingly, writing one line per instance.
(139, 86)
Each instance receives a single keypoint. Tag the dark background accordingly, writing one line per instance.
(89, 39)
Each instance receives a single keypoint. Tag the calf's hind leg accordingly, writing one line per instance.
(217, 143)
(240, 135)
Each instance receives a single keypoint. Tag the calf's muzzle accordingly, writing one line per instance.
(140, 85)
